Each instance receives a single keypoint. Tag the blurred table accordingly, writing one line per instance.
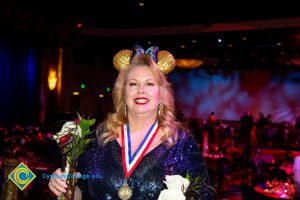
(41, 166)
(276, 190)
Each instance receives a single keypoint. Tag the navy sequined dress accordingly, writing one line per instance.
(102, 170)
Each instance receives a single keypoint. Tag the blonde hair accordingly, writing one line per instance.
(166, 118)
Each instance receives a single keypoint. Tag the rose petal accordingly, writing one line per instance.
(70, 127)
(64, 140)
(171, 194)
(176, 182)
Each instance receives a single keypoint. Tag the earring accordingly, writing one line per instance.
(125, 111)
(159, 109)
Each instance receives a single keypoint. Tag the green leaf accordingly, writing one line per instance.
(197, 179)
(84, 125)
(78, 115)
(92, 122)
(187, 176)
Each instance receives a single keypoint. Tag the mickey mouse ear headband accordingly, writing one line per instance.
(164, 59)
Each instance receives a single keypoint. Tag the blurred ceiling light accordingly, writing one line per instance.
(189, 63)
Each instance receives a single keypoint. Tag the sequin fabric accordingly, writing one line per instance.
(102, 171)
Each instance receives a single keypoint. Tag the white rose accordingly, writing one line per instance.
(177, 182)
(171, 194)
(71, 126)
(67, 128)
(176, 185)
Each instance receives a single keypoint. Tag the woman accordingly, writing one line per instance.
(141, 142)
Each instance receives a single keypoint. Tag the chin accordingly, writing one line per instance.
(145, 112)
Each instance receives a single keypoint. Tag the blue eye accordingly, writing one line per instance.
(150, 84)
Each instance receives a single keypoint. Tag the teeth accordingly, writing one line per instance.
(141, 100)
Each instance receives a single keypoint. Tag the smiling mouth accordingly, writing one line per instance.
(141, 101)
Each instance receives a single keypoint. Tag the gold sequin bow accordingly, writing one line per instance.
(164, 59)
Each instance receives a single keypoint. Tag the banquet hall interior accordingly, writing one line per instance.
(236, 83)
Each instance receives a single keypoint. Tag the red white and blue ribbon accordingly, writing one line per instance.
(130, 162)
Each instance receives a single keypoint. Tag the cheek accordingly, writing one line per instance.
(128, 92)
(156, 95)
(126, 95)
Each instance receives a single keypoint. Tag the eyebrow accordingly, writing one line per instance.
(133, 79)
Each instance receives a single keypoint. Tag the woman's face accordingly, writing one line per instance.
(142, 93)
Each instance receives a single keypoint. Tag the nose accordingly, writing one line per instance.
(141, 89)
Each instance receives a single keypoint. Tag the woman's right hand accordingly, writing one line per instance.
(57, 183)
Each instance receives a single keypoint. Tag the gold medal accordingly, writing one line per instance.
(125, 192)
